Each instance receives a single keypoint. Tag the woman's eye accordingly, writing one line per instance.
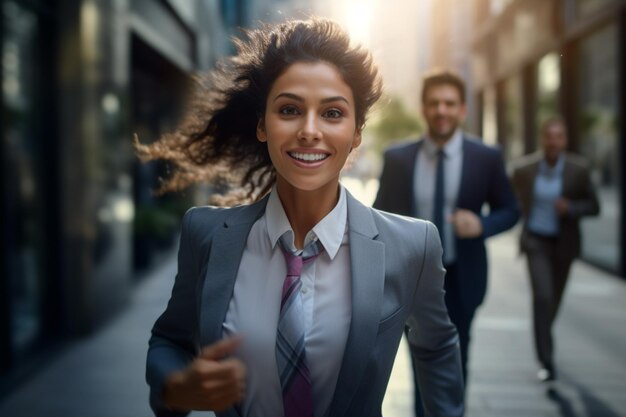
(289, 110)
(333, 114)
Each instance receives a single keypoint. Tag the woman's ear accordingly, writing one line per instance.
(356, 141)
(260, 131)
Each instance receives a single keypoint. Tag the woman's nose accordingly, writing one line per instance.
(310, 129)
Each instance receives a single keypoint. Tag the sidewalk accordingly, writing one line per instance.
(590, 339)
(103, 375)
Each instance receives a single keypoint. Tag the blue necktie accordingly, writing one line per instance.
(439, 195)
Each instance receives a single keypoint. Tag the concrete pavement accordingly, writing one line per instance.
(103, 375)
(590, 339)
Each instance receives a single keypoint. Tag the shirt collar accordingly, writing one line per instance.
(557, 169)
(330, 230)
(451, 148)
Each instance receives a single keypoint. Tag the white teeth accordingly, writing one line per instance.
(309, 157)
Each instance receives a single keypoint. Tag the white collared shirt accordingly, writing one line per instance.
(424, 185)
(326, 296)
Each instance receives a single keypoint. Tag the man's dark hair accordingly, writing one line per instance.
(439, 77)
(550, 121)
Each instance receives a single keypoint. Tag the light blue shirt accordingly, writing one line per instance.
(424, 181)
(548, 187)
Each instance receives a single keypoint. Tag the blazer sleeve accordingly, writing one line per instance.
(174, 340)
(587, 204)
(503, 207)
(432, 337)
(516, 181)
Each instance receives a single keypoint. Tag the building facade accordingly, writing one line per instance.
(534, 58)
(79, 223)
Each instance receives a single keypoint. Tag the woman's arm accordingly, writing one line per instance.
(176, 369)
(433, 339)
(212, 381)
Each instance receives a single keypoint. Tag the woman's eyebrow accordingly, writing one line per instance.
(301, 99)
(335, 98)
(289, 95)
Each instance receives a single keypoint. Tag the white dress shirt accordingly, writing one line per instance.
(424, 185)
(255, 306)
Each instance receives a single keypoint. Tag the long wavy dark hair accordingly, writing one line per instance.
(217, 139)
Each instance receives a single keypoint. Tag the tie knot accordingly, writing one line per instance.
(441, 154)
(294, 263)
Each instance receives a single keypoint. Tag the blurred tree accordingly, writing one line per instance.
(391, 122)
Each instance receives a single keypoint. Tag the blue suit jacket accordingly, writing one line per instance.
(483, 181)
(397, 278)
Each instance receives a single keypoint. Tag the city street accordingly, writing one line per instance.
(120, 115)
(103, 375)
(590, 339)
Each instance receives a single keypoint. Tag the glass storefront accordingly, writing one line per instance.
(157, 95)
(24, 225)
(66, 158)
(586, 8)
(598, 132)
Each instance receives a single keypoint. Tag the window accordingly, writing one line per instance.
(24, 224)
(548, 83)
(589, 7)
(513, 118)
(597, 126)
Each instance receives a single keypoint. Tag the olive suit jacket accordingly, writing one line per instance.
(397, 278)
(577, 188)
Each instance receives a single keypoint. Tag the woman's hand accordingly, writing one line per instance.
(213, 381)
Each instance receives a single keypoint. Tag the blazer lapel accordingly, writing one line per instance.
(228, 243)
(530, 174)
(367, 260)
(411, 161)
(462, 197)
(533, 171)
(569, 179)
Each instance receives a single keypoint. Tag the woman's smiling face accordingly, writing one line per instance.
(309, 126)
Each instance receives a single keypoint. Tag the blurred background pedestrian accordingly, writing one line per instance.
(447, 176)
(555, 191)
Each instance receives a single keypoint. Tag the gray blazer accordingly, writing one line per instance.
(397, 279)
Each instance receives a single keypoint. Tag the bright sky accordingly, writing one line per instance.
(394, 31)
(358, 17)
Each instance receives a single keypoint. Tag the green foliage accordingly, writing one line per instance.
(392, 122)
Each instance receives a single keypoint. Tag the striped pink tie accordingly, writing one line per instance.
(295, 379)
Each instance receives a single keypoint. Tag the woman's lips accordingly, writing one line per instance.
(308, 159)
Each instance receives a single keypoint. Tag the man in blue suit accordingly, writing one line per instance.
(447, 177)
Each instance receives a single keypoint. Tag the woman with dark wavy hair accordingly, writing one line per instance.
(294, 304)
